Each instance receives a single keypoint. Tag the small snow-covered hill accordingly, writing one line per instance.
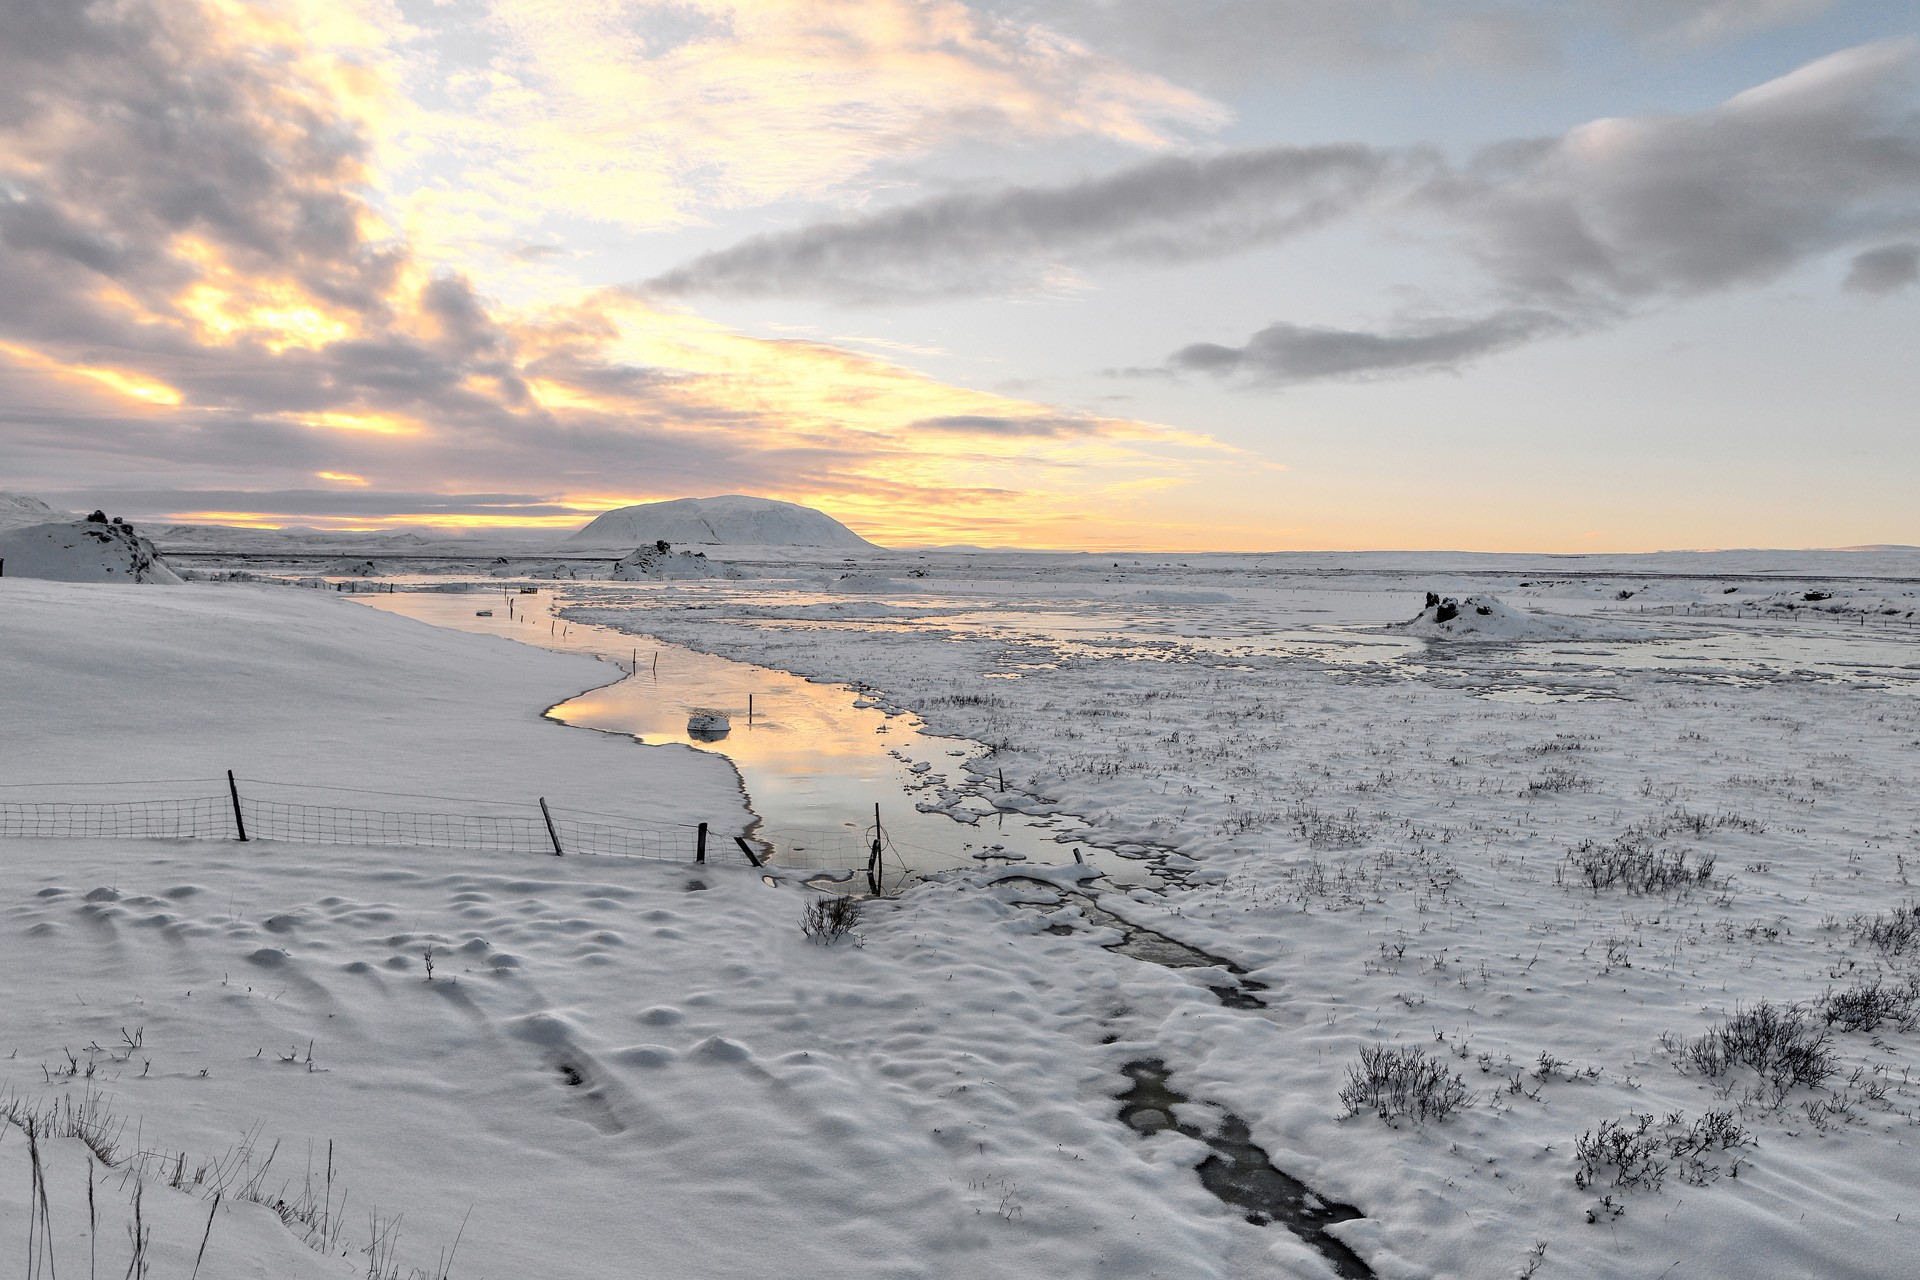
(81, 551)
(649, 564)
(733, 520)
(1491, 618)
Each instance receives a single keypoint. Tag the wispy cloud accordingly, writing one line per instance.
(645, 114)
(1287, 353)
(1167, 209)
(1888, 269)
(1566, 232)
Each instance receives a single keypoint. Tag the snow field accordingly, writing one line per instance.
(617, 1068)
(616, 1071)
(1399, 860)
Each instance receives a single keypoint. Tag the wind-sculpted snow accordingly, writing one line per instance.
(1472, 855)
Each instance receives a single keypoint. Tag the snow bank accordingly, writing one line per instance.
(1490, 618)
(305, 686)
(732, 520)
(90, 550)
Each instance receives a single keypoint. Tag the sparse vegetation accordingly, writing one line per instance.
(1896, 932)
(1328, 830)
(1633, 1153)
(1872, 1004)
(1638, 867)
(1780, 1043)
(828, 919)
(1403, 1082)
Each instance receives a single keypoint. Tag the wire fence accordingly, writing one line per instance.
(249, 809)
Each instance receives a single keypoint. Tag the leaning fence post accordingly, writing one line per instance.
(700, 844)
(747, 849)
(873, 860)
(552, 834)
(239, 820)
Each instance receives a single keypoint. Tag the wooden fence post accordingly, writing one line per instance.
(700, 844)
(552, 834)
(747, 849)
(239, 820)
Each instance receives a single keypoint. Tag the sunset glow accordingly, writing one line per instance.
(956, 272)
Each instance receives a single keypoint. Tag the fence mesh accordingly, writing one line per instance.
(201, 817)
(531, 831)
(331, 824)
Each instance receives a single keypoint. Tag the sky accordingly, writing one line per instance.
(1612, 275)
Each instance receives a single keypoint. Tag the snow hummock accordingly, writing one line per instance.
(90, 550)
(1491, 618)
(735, 520)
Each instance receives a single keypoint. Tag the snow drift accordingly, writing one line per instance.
(91, 550)
(734, 520)
(1490, 618)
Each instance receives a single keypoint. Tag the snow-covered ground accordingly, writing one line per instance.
(1391, 841)
(1397, 840)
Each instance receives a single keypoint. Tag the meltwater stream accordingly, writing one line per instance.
(814, 758)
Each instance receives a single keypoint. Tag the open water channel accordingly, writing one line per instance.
(813, 759)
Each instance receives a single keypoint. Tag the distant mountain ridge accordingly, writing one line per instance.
(19, 509)
(732, 520)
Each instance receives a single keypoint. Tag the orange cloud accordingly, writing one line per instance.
(124, 382)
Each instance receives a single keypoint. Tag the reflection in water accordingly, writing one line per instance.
(814, 759)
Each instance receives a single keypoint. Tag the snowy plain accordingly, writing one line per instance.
(1380, 831)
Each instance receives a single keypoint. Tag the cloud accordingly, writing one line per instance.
(1170, 208)
(1621, 215)
(1667, 206)
(643, 113)
(360, 504)
(1615, 211)
(1888, 269)
(1706, 22)
(202, 296)
(1233, 44)
(974, 424)
(1289, 353)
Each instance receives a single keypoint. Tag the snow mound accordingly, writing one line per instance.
(18, 509)
(732, 520)
(650, 564)
(90, 550)
(1490, 618)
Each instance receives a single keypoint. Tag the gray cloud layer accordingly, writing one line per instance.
(1887, 269)
(369, 504)
(1611, 216)
(1282, 353)
(1166, 209)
